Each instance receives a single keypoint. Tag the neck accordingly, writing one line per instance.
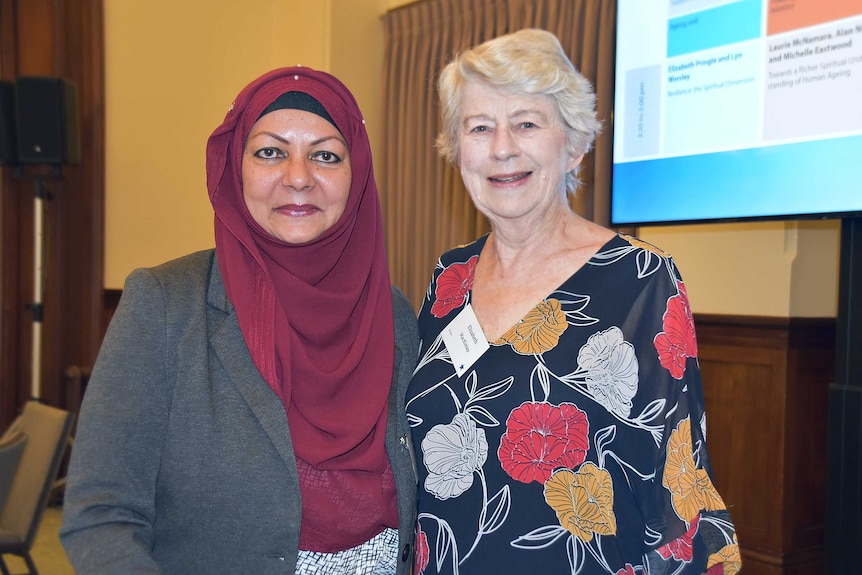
(515, 242)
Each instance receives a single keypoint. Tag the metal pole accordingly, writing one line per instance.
(38, 289)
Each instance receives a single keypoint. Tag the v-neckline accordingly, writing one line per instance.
(481, 242)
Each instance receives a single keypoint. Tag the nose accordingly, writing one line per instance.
(503, 144)
(297, 174)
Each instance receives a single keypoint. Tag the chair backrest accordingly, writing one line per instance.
(11, 449)
(47, 430)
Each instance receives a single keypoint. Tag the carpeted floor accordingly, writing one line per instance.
(47, 553)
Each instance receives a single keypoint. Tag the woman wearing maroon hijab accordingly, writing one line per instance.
(246, 411)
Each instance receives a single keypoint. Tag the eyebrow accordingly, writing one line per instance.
(286, 141)
(516, 114)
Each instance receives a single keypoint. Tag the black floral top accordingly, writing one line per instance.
(576, 443)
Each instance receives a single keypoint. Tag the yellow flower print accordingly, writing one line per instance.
(539, 330)
(645, 246)
(691, 488)
(729, 558)
(583, 501)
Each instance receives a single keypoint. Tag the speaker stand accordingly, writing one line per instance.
(41, 195)
(37, 305)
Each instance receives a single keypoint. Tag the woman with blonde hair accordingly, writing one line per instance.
(557, 407)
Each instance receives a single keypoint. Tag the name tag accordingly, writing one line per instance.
(465, 340)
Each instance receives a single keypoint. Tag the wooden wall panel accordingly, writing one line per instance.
(742, 419)
(766, 390)
(57, 38)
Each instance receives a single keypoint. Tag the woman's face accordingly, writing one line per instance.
(513, 152)
(295, 175)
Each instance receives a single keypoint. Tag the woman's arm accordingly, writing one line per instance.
(110, 500)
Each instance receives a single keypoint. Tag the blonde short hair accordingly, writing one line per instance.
(528, 62)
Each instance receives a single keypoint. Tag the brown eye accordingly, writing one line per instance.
(327, 157)
(268, 153)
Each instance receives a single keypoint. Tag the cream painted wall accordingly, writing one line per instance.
(172, 69)
(356, 23)
(783, 269)
(814, 283)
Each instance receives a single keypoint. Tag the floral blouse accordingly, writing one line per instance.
(577, 442)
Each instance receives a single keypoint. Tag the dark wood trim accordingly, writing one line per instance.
(61, 38)
(13, 215)
(766, 384)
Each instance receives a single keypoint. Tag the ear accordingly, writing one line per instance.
(574, 162)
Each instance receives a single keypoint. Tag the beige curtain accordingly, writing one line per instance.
(426, 208)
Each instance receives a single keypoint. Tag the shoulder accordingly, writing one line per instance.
(463, 252)
(180, 280)
(180, 273)
(189, 267)
(629, 273)
(648, 256)
(640, 244)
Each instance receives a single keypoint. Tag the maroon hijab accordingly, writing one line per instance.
(317, 317)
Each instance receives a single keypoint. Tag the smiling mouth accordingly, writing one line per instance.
(296, 210)
(509, 179)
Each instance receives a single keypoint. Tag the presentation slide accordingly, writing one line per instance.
(733, 109)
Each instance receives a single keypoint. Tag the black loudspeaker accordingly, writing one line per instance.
(47, 121)
(8, 145)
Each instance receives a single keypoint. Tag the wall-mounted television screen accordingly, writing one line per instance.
(729, 110)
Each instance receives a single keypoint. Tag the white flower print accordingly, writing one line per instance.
(452, 452)
(612, 370)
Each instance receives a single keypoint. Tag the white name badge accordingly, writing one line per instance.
(465, 340)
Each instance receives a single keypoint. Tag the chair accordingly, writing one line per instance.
(11, 449)
(47, 430)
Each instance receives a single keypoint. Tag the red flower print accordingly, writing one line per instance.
(541, 437)
(677, 341)
(691, 349)
(422, 553)
(629, 570)
(453, 285)
(681, 548)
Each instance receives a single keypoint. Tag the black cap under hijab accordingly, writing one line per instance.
(298, 101)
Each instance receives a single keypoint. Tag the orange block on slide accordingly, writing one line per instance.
(786, 15)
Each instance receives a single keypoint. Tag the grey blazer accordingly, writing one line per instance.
(183, 461)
